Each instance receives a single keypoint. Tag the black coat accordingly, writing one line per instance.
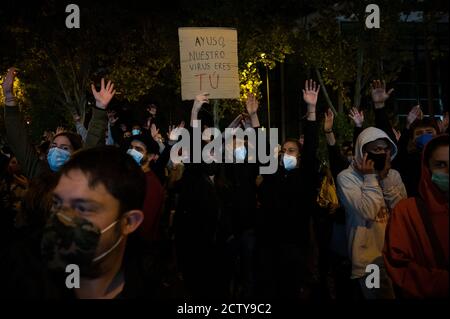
(287, 197)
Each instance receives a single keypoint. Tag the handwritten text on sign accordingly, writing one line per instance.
(209, 62)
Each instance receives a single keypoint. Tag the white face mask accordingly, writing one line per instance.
(289, 162)
(240, 153)
(137, 156)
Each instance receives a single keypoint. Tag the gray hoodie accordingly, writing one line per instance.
(367, 202)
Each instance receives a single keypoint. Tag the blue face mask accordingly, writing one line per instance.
(289, 162)
(135, 132)
(137, 156)
(56, 158)
(441, 181)
(240, 153)
(422, 140)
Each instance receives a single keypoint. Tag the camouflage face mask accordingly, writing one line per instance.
(70, 239)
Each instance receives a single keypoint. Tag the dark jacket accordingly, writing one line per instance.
(408, 164)
(287, 197)
(241, 178)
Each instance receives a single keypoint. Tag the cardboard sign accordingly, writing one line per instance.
(209, 62)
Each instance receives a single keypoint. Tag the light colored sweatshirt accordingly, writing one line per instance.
(367, 202)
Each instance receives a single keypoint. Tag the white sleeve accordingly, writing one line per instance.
(364, 199)
(109, 139)
(393, 188)
(81, 130)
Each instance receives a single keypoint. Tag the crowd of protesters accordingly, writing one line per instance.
(110, 199)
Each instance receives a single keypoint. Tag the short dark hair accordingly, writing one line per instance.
(425, 122)
(74, 139)
(117, 171)
(151, 145)
(294, 140)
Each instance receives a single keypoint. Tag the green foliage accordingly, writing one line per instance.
(138, 50)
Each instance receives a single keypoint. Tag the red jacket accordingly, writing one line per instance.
(408, 252)
(153, 206)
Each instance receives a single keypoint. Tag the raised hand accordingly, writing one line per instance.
(378, 92)
(236, 122)
(8, 82)
(174, 131)
(443, 124)
(21, 180)
(199, 101)
(328, 122)
(311, 92)
(251, 104)
(60, 130)
(357, 116)
(104, 96)
(154, 131)
(397, 134)
(413, 115)
(76, 117)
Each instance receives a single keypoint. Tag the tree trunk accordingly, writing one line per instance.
(324, 90)
(283, 104)
(340, 92)
(359, 71)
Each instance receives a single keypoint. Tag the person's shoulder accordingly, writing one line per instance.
(143, 270)
(404, 207)
(152, 179)
(348, 174)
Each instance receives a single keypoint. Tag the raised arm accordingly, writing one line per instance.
(252, 109)
(337, 162)
(379, 97)
(310, 95)
(358, 119)
(198, 103)
(16, 131)
(98, 124)
(81, 130)
(402, 145)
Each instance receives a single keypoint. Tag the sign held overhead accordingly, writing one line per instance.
(209, 62)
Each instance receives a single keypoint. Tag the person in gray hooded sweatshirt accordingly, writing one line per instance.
(369, 189)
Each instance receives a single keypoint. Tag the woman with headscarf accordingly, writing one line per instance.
(417, 241)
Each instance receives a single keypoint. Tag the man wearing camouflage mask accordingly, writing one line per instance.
(97, 206)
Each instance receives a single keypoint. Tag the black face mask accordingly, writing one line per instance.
(378, 159)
